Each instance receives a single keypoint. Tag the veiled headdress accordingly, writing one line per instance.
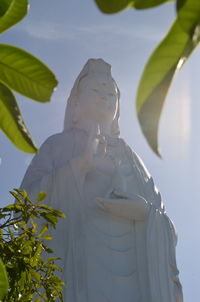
(93, 66)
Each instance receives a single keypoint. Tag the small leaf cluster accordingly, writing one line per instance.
(23, 250)
(21, 72)
(168, 57)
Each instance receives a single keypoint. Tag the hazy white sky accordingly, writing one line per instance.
(64, 34)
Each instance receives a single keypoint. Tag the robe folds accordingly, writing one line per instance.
(52, 170)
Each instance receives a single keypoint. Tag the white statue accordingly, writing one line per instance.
(117, 243)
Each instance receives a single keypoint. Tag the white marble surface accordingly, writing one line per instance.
(117, 243)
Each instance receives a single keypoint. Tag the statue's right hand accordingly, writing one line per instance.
(91, 146)
(89, 159)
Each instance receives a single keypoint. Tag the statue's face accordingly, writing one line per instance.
(98, 98)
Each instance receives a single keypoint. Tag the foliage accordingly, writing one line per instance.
(3, 280)
(23, 73)
(11, 12)
(23, 248)
(166, 60)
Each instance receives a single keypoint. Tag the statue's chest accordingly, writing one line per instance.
(115, 172)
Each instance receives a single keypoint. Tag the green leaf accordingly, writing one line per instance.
(48, 250)
(3, 280)
(11, 122)
(11, 12)
(35, 275)
(10, 207)
(25, 74)
(47, 237)
(22, 281)
(49, 217)
(46, 207)
(16, 196)
(55, 267)
(59, 213)
(4, 5)
(52, 259)
(22, 193)
(41, 196)
(113, 6)
(44, 230)
(167, 59)
(26, 250)
(34, 224)
(188, 15)
(143, 4)
(37, 256)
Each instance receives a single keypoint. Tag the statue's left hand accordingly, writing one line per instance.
(132, 207)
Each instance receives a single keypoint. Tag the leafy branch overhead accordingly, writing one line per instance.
(166, 60)
(21, 72)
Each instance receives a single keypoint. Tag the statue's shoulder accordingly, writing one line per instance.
(61, 145)
(60, 138)
(57, 138)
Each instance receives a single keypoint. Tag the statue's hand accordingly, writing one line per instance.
(132, 207)
(89, 158)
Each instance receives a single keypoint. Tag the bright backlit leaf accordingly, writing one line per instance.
(113, 6)
(25, 74)
(11, 122)
(167, 59)
(3, 280)
(11, 12)
(142, 4)
(189, 15)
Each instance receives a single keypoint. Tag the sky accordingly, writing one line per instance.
(65, 34)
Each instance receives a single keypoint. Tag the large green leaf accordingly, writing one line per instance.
(11, 122)
(142, 4)
(113, 6)
(189, 15)
(3, 280)
(4, 5)
(167, 59)
(25, 74)
(11, 12)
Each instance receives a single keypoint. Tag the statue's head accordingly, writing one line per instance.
(94, 97)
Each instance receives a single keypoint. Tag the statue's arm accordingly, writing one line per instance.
(38, 174)
(50, 169)
(154, 194)
(132, 207)
(175, 272)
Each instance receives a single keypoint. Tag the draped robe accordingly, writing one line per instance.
(105, 258)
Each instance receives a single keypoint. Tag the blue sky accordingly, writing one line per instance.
(64, 34)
